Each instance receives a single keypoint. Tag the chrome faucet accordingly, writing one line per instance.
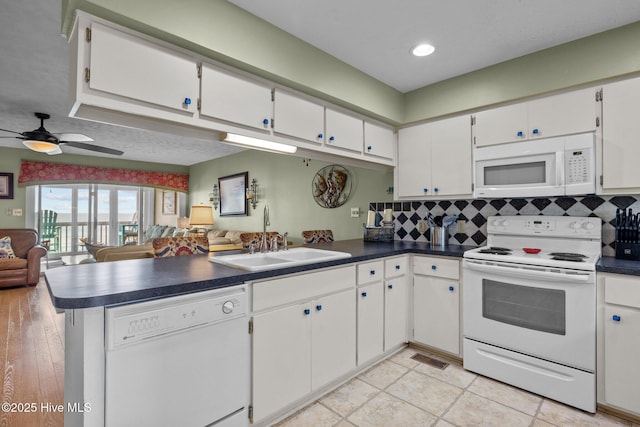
(274, 242)
(265, 221)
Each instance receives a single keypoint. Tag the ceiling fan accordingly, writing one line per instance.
(43, 141)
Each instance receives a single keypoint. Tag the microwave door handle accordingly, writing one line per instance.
(560, 168)
(512, 271)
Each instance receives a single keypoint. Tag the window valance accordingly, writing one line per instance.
(32, 173)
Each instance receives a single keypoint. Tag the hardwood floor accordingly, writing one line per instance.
(31, 358)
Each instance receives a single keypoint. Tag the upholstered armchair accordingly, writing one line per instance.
(177, 246)
(24, 267)
(317, 236)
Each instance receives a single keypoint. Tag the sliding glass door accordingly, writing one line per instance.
(98, 213)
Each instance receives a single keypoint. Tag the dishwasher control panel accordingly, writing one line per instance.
(135, 322)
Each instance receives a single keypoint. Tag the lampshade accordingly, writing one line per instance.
(201, 215)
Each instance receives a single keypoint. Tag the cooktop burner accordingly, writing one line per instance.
(567, 255)
(494, 250)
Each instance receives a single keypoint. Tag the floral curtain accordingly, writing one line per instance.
(32, 173)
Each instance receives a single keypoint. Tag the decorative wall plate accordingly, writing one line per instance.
(331, 186)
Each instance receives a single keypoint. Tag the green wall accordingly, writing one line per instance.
(285, 186)
(10, 162)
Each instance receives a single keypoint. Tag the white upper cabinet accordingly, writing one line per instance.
(298, 118)
(378, 140)
(135, 75)
(225, 96)
(343, 131)
(434, 159)
(620, 130)
(564, 114)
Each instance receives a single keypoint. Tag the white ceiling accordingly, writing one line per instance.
(375, 36)
(372, 35)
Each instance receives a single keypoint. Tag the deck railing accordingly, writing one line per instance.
(66, 243)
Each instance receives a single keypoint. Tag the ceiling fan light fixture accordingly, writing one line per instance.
(422, 50)
(260, 144)
(40, 146)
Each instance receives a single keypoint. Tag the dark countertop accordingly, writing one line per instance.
(608, 264)
(112, 283)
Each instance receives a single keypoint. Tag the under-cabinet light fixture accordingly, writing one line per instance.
(261, 144)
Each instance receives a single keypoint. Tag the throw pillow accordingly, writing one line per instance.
(6, 251)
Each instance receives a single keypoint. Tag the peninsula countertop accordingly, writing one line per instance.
(122, 282)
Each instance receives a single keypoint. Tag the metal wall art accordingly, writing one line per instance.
(331, 186)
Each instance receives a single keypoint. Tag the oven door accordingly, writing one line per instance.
(523, 169)
(543, 312)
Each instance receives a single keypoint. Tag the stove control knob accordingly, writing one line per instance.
(497, 222)
(227, 307)
(505, 223)
(574, 225)
(588, 226)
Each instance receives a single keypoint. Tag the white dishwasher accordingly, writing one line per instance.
(179, 361)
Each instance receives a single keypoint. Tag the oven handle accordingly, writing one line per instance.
(516, 271)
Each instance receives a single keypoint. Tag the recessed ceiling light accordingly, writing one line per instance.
(423, 50)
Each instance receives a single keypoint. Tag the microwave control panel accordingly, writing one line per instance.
(578, 166)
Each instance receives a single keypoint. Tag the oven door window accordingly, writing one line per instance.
(528, 307)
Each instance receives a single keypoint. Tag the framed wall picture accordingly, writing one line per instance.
(168, 202)
(232, 194)
(6, 185)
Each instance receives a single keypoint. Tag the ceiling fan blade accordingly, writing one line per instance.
(73, 137)
(10, 131)
(15, 137)
(90, 147)
(56, 151)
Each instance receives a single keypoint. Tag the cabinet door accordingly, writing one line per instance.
(414, 162)
(451, 166)
(343, 131)
(234, 99)
(565, 114)
(378, 140)
(395, 312)
(501, 125)
(620, 130)
(333, 337)
(370, 321)
(621, 356)
(436, 313)
(298, 117)
(281, 358)
(139, 70)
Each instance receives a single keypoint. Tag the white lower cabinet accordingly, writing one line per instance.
(436, 303)
(395, 312)
(304, 336)
(370, 321)
(619, 329)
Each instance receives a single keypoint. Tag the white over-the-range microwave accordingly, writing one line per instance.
(543, 167)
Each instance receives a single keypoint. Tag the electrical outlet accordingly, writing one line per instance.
(355, 212)
(422, 225)
(9, 212)
(461, 225)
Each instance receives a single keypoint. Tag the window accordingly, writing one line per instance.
(96, 212)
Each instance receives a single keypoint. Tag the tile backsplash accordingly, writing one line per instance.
(475, 213)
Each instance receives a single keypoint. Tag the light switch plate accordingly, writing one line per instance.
(17, 212)
(355, 212)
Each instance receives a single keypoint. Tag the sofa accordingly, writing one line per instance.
(224, 240)
(20, 256)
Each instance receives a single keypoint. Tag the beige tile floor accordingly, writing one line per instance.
(403, 392)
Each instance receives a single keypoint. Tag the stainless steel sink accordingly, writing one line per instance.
(273, 260)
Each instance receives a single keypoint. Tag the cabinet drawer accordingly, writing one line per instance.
(439, 267)
(370, 272)
(622, 291)
(273, 293)
(395, 267)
